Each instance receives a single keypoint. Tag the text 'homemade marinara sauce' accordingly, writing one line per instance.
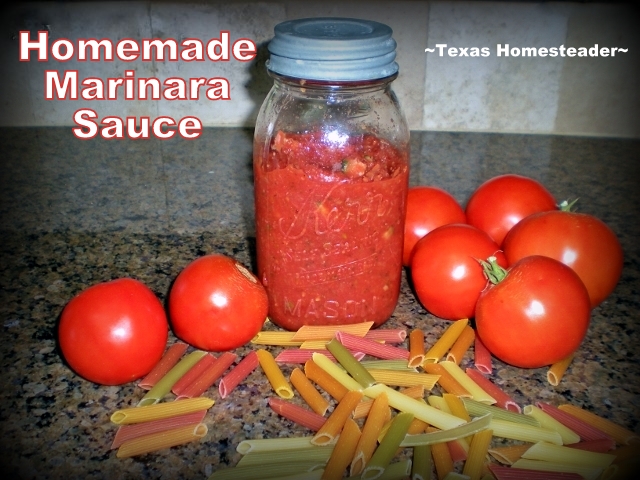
(331, 166)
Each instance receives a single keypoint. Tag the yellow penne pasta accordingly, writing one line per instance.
(404, 379)
(589, 473)
(282, 339)
(343, 452)
(308, 392)
(314, 345)
(473, 466)
(523, 432)
(456, 406)
(324, 380)
(336, 372)
(441, 458)
(469, 385)
(327, 332)
(274, 374)
(362, 409)
(560, 454)
(558, 369)
(547, 421)
(620, 434)
(461, 345)
(446, 380)
(416, 348)
(160, 440)
(438, 402)
(332, 427)
(419, 409)
(366, 445)
(446, 341)
(509, 454)
(128, 416)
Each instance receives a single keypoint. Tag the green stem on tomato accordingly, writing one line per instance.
(494, 272)
(567, 206)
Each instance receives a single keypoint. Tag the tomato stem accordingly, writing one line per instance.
(567, 206)
(494, 272)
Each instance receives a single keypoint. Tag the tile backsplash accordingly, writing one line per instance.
(466, 86)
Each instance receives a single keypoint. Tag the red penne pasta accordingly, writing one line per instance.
(372, 347)
(297, 414)
(166, 363)
(193, 373)
(482, 357)
(583, 429)
(297, 355)
(241, 371)
(508, 473)
(503, 400)
(387, 335)
(602, 445)
(457, 452)
(129, 432)
(208, 377)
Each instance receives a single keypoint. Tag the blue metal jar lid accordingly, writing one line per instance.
(333, 49)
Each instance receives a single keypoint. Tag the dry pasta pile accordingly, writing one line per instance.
(156, 423)
(374, 409)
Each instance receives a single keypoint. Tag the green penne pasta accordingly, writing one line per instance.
(560, 454)
(350, 363)
(164, 385)
(476, 408)
(269, 470)
(589, 473)
(547, 421)
(274, 444)
(419, 409)
(443, 436)
(387, 448)
(524, 432)
(422, 463)
(336, 372)
(395, 471)
(400, 364)
(318, 454)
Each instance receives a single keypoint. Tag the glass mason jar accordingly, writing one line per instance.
(331, 167)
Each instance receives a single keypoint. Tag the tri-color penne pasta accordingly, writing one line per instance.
(297, 414)
(166, 363)
(446, 341)
(238, 374)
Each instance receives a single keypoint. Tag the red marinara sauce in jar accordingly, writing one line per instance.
(331, 166)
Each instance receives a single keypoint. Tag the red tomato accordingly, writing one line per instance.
(537, 315)
(428, 208)
(581, 241)
(501, 202)
(446, 272)
(216, 304)
(113, 332)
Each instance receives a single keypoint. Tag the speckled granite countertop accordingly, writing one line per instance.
(74, 213)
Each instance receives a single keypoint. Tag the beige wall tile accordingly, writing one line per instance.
(249, 81)
(601, 95)
(71, 21)
(498, 94)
